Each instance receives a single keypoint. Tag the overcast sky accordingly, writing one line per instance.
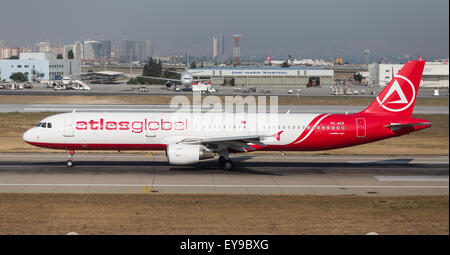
(275, 27)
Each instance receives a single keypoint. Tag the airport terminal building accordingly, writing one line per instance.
(435, 74)
(39, 67)
(266, 76)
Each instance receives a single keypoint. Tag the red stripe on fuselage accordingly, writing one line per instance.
(306, 131)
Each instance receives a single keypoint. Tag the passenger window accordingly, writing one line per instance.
(337, 127)
(342, 127)
(328, 127)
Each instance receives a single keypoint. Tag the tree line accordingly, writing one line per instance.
(153, 69)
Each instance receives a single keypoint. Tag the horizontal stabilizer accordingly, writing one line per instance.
(397, 126)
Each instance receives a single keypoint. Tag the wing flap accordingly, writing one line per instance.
(238, 143)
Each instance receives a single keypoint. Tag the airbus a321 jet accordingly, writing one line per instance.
(187, 140)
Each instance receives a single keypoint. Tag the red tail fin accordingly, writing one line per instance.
(400, 94)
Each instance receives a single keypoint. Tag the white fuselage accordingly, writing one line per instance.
(151, 130)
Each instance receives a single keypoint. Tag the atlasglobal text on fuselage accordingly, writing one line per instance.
(188, 138)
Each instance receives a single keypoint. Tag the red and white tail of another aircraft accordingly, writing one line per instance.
(188, 139)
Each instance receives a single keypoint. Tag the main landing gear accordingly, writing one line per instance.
(225, 161)
(69, 162)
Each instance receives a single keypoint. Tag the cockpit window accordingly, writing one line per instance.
(44, 124)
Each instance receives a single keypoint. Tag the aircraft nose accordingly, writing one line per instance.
(28, 136)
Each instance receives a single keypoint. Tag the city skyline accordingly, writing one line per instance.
(310, 28)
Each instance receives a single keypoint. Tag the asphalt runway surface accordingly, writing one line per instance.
(253, 174)
(166, 108)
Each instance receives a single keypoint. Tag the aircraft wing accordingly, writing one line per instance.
(160, 78)
(172, 71)
(239, 143)
(210, 79)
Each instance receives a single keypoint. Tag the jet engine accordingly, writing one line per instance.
(187, 154)
(168, 84)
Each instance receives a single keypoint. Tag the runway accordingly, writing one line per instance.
(166, 108)
(254, 174)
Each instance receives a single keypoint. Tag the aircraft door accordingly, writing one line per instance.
(68, 127)
(360, 127)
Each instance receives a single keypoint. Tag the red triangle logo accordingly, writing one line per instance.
(277, 135)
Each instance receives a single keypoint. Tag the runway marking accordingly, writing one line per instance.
(411, 178)
(220, 185)
(400, 162)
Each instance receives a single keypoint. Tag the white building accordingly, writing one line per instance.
(39, 67)
(271, 76)
(78, 50)
(435, 74)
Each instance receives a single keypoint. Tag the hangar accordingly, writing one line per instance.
(435, 74)
(266, 76)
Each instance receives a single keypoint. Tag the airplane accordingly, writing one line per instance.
(186, 77)
(270, 61)
(188, 140)
(306, 62)
(67, 83)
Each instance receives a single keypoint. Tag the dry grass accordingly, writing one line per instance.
(165, 99)
(431, 141)
(221, 214)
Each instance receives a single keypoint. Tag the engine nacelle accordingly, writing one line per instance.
(168, 84)
(187, 154)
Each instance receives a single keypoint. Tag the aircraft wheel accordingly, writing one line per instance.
(228, 165)
(69, 163)
(222, 161)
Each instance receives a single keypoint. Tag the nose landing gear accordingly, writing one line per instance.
(69, 162)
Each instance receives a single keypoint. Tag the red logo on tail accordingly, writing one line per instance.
(399, 96)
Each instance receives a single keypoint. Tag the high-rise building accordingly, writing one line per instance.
(97, 50)
(140, 50)
(143, 50)
(78, 50)
(90, 49)
(149, 49)
(366, 56)
(218, 50)
(127, 51)
(107, 48)
(43, 47)
(221, 47)
(215, 47)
